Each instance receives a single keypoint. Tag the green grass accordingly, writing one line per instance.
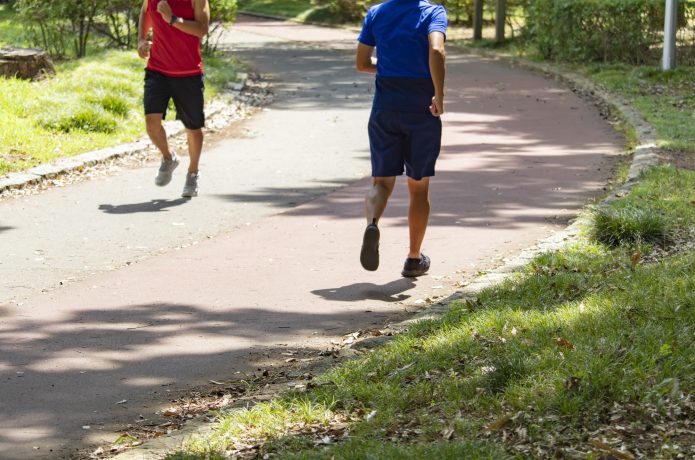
(581, 337)
(287, 8)
(91, 103)
(665, 99)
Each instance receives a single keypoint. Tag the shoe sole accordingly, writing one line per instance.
(369, 256)
(189, 195)
(171, 174)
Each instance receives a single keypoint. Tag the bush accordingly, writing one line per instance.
(346, 10)
(62, 24)
(595, 30)
(222, 13)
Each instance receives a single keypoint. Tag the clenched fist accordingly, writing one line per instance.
(164, 9)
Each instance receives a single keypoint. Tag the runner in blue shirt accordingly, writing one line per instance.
(404, 127)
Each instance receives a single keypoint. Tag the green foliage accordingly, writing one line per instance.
(61, 25)
(222, 13)
(345, 10)
(70, 27)
(595, 30)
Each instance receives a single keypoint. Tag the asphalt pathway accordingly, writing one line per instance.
(160, 294)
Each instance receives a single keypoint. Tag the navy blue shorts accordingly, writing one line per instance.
(401, 140)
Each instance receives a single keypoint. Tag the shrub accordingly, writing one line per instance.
(595, 30)
(346, 10)
(222, 13)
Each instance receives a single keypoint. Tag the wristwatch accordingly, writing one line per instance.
(173, 20)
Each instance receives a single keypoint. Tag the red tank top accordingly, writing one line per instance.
(174, 53)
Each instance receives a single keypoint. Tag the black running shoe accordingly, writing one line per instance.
(416, 267)
(369, 256)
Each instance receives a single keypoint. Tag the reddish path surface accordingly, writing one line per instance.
(521, 156)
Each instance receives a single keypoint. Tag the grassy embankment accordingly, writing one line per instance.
(90, 103)
(585, 354)
(588, 350)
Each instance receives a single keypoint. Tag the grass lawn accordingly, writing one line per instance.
(586, 354)
(91, 103)
(287, 8)
(665, 99)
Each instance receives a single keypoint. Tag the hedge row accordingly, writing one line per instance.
(600, 30)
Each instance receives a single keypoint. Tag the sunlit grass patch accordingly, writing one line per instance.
(91, 103)
(665, 99)
(659, 208)
(287, 8)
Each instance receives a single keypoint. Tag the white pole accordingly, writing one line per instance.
(670, 24)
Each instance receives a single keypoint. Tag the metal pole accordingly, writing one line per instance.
(670, 26)
(500, 19)
(478, 20)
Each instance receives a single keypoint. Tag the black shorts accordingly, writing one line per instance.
(187, 93)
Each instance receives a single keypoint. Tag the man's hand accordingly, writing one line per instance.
(164, 9)
(144, 48)
(437, 106)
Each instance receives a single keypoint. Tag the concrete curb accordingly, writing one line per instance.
(644, 157)
(38, 174)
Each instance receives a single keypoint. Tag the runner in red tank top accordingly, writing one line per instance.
(174, 71)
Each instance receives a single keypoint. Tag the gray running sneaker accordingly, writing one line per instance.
(191, 188)
(166, 168)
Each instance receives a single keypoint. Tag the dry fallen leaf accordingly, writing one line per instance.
(564, 343)
(625, 455)
(499, 423)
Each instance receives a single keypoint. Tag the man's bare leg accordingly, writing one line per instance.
(195, 147)
(157, 134)
(418, 214)
(377, 197)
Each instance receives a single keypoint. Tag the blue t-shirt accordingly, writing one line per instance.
(399, 29)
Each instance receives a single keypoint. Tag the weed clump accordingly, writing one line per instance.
(627, 226)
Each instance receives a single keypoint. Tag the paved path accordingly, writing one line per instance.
(281, 268)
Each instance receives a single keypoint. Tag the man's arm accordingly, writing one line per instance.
(197, 27)
(363, 59)
(437, 69)
(143, 30)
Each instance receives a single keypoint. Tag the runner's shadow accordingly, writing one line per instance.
(389, 292)
(149, 206)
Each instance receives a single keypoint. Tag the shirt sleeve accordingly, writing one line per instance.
(367, 35)
(438, 21)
